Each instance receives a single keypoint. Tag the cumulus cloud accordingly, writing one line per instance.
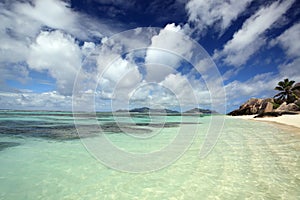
(166, 51)
(110, 74)
(31, 31)
(181, 86)
(251, 36)
(217, 13)
(59, 55)
(120, 76)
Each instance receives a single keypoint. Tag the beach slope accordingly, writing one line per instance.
(290, 120)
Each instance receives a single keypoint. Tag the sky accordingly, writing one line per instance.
(116, 54)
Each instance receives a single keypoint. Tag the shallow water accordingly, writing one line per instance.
(44, 159)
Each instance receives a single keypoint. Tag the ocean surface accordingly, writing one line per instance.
(42, 157)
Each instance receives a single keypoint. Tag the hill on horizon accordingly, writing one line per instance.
(147, 109)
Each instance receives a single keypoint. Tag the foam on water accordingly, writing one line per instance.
(252, 160)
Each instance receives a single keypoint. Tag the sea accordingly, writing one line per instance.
(47, 155)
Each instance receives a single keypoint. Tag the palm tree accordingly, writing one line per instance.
(287, 91)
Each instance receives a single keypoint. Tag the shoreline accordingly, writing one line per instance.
(285, 120)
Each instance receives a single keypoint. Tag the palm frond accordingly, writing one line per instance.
(278, 88)
(281, 83)
(280, 94)
(291, 83)
(287, 90)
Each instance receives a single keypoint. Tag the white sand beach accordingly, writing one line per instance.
(290, 120)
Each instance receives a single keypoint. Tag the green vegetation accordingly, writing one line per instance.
(275, 105)
(287, 91)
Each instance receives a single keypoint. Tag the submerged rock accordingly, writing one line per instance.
(4, 145)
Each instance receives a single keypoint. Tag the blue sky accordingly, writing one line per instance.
(46, 44)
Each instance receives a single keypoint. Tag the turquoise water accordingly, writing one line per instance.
(41, 158)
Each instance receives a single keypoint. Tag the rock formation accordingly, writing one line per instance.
(265, 107)
(268, 107)
(288, 107)
(254, 106)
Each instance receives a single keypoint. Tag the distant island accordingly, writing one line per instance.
(147, 110)
(200, 111)
(194, 111)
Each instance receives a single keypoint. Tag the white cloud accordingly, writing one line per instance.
(87, 48)
(192, 92)
(22, 21)
(218, 13)
(181, 87)
(57, 14)
(113, 76)
(45, 101)
(290, 70)
(52, 13)
(152, 95)
(58, 54)
(237, 56)
(289, 40)
(22, 40)
(106, 53)
(255, 86)
(15, 35)
(122, 74)
(166, 51)
(250, 37)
